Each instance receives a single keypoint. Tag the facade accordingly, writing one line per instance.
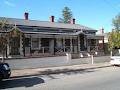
(40, 38)
(106, 36)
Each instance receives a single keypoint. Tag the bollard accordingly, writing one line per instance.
(68, 56)
(92, 59)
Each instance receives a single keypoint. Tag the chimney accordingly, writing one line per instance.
(102, 30)
(73, 21)
(26, 15)
(52, 18)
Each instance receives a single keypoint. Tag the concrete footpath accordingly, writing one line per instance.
(56, 70)
(53, 62)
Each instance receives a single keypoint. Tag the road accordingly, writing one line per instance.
(93, 79)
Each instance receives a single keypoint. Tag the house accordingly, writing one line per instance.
(106, 36)
(44, 38)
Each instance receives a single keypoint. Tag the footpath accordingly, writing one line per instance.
(56, 70)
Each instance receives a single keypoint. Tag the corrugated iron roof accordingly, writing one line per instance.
(45, 24)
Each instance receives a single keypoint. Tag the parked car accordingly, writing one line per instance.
(115, 60)
(5, 71)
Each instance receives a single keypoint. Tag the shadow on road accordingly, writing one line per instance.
(71, 71)
(32, 80)
(67, 71)
(21, 82)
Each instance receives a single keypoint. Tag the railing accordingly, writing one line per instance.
(62, 49)
(45, 49)
(41, 50)
(59, 50)
(66, 49)
(92, 48)
(56, 50)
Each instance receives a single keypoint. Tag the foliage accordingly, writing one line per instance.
(114, 39)
(7, 31)
(15, 32)
(114, 36)
(116, 22)
(66, 15)
(3, 35)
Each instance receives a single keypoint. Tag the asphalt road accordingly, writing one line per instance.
(92, 79)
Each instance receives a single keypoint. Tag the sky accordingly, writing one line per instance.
(96, 14)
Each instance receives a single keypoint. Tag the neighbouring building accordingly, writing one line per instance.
(102, 33)
(45, 38)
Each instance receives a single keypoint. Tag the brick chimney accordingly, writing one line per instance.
(73, 21)
(26, 14)
(52, 18)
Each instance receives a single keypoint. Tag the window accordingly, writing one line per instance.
(35, 43)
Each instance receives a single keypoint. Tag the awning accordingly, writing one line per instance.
(51, 33)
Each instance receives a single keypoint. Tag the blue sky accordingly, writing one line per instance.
(92, 13)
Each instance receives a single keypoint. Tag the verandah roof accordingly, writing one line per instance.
(58, 33)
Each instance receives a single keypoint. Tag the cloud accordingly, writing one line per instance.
(9, 3)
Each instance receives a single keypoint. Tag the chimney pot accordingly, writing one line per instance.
(26, 15)
(73, 21)
(52, 18)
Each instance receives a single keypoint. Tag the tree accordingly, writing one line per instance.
(3, 37)
(6, 32)
(66, 15)
(116, 22)
(114, 39)
(114, 36)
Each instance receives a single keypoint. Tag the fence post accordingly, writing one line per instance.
(64, 48)
(68, 56)
(43, 50)
(92, 59)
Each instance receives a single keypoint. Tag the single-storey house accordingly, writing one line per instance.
(44, 38)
